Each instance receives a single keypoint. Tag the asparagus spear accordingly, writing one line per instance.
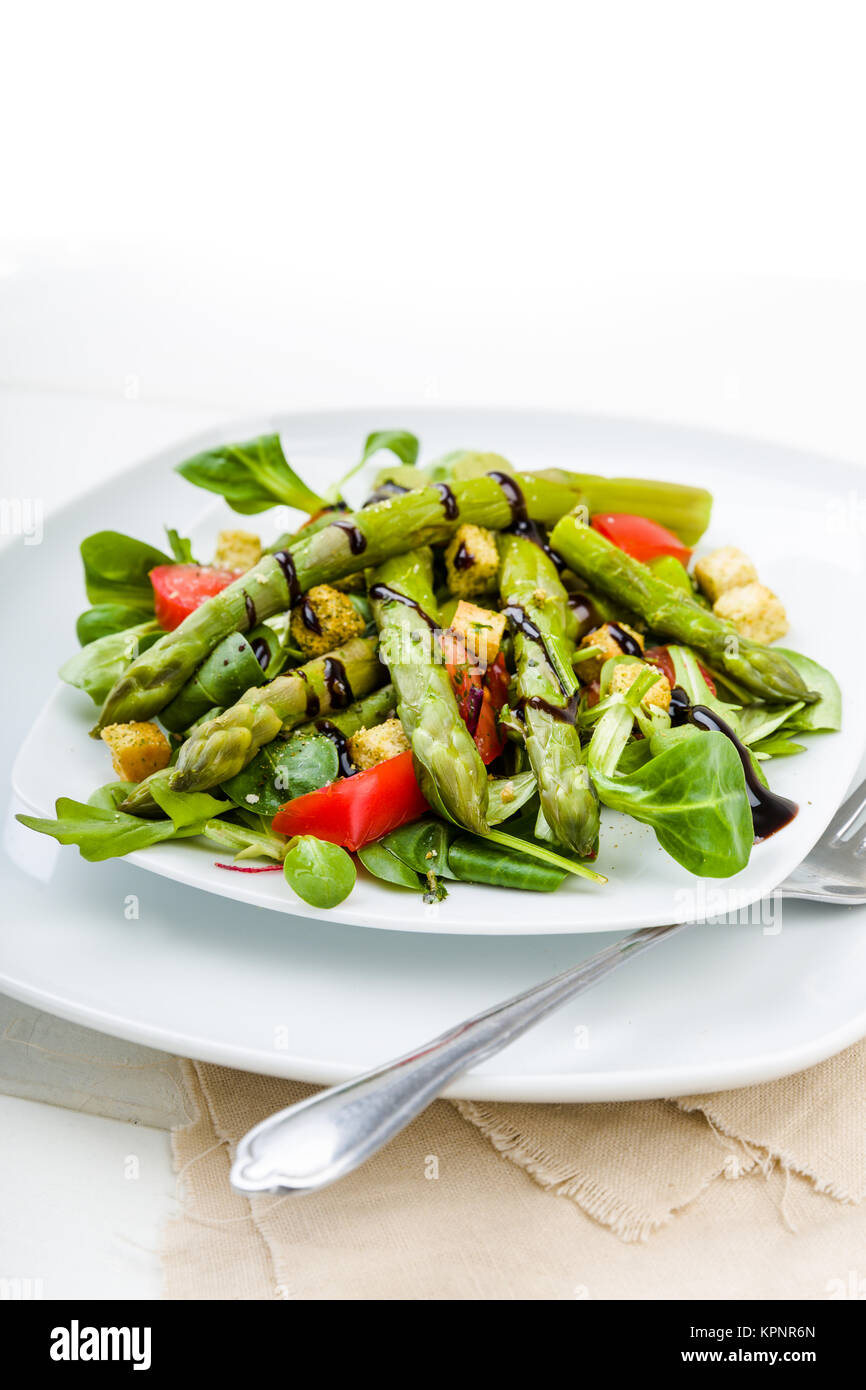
(449, 767)
(671, 613)
(367, 537)
(222, 747)
(537, 606)
(682, 509)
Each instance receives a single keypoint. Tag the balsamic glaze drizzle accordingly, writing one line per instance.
(513, 494)
(385, 594)
(770, 812)
(261, 652)
(566, 714)
(313, 701)
(449, 501)
(309, 617)
(519, 618)
(357, 539)
(336, 683)
(627, 644)
(287, 565)
(384, 491)
(341, 743)
(462, 560)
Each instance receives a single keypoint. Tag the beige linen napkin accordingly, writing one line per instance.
(439, 1214)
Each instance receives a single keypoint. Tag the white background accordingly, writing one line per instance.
(648, 209)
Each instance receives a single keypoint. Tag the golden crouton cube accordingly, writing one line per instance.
(369, 747)
(324, 619)
(723, 569)
(627, 673)
(610, 643)
(481, 630)
(137, 750)
(755, 611)
(472, 561)
(237, 550)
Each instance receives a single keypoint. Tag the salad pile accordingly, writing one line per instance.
(445, 684)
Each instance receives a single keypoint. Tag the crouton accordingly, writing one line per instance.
(324, 619)
(481, 630)
(627, 673)
(610, 645)
(137, 750)
(369, 747)
(237, 550)
(754, 610)
(472, 561)
(723, 569)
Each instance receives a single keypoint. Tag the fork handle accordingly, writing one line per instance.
(317, 1141)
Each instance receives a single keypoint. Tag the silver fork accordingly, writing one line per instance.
(309, 1145)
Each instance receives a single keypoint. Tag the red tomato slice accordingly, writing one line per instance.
(480, 697)
(179, 589)
(639, 537)
(355, 810)
(661, 657)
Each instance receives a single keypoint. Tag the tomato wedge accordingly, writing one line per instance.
(355, 810)
(661, 657)
(639, 537)
(179, 589)
(480, 697)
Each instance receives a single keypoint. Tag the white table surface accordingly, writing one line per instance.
(101, 362)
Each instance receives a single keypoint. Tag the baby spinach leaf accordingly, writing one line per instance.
(181, 548)
(423, 845)
(107, 618)
(322, 874)
(825, 715)
(96, 667)
(109, 797)
(401, 444)
(693, 794)
(383, 864)
(777, 746)
(757, 722)
(251, 477)
(188, 811)
(99, 832)
(117, 569)
(283, 770)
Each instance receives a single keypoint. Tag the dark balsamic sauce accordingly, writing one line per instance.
(770, 812)
(261, 652)
(385, 594)
(250, 611)
(309, 618)
(341, 743)
(384, 491)
(313, 702)
(463, 559)
(336, 683)
(531, 531)
(357, 539)
(566, 714)
(627, 644)
(449, 501)
(513, 495)
(519, 618)
(287, 565)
